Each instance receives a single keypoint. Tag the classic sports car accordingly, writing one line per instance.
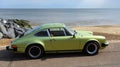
(56, 37)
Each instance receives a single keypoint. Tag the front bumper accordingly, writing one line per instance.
(9, 48)
(105, 44)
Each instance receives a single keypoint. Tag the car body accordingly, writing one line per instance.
(56, 37)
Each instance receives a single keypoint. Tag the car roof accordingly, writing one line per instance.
(45, 26)
(52, 25)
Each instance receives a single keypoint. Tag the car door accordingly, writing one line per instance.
(62, 41)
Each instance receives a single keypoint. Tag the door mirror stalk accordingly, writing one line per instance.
(73, 35)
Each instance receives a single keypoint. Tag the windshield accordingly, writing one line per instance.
(70, 30)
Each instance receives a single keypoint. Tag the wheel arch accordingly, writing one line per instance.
(92, 40)
(38, 44)
(86, 44)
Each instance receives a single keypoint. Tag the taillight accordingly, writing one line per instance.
(14, 46)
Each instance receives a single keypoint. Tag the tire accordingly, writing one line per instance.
(34, 51)
(91, 48)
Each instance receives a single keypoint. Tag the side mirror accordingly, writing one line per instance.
(73, 35)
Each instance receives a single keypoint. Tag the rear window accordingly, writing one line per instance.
(42, 33)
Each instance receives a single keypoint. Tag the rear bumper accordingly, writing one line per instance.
(9, 48)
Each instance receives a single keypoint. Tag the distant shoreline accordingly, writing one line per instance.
(80, 17)
(73, 25)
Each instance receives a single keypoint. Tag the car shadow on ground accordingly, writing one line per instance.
(10, 56)
(62, 55)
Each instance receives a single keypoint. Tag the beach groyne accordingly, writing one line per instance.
(12, 28)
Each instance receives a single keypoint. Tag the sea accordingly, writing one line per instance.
(71, 17)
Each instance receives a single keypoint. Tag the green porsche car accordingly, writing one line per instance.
(56, 37)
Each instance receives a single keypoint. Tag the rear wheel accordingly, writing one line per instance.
(34, 51)
(91, 48)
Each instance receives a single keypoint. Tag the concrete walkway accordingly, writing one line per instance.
(109, 57)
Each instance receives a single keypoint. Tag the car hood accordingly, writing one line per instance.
(84, 33)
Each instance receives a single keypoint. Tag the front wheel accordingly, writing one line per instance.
(34, 51)
(91, 48)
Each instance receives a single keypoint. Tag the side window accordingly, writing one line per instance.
(43, 33)
(57, 32)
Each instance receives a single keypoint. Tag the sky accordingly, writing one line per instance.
(59, 3)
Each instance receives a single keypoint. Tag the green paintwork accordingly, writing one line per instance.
(58, 43)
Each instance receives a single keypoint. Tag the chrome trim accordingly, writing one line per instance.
(64, 32)
(48, 32)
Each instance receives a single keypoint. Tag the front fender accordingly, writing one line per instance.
(95, 41)
(85, 41)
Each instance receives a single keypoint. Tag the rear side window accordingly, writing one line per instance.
(42, 33)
